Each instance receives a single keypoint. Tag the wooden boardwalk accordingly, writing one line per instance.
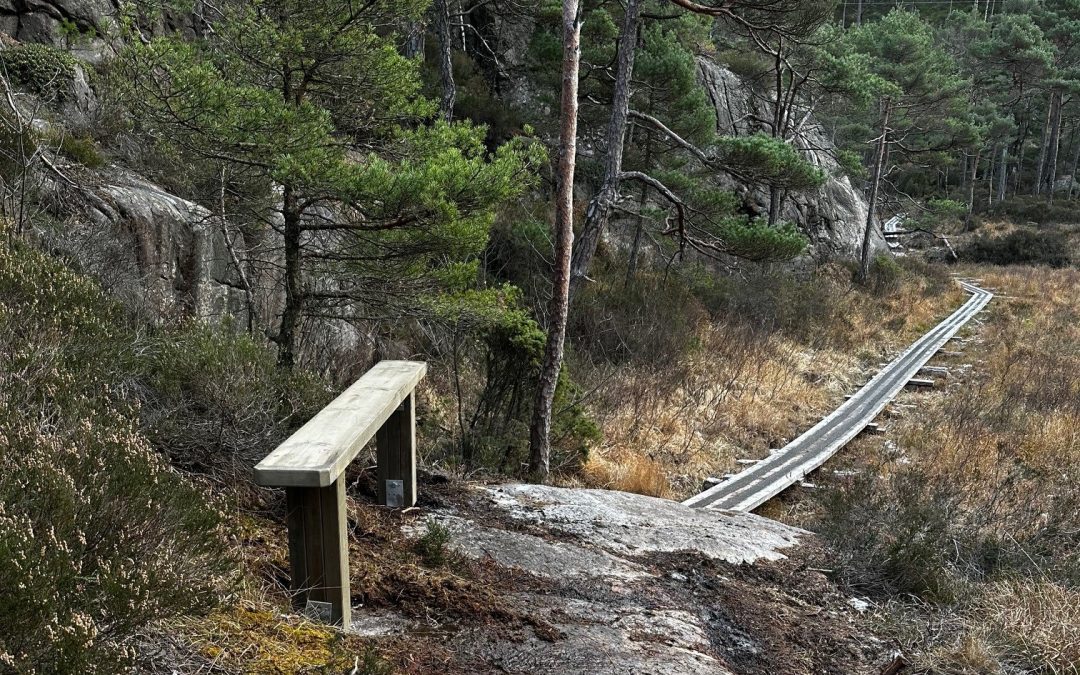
(747, 490)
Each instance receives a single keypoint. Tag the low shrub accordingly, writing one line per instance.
(42, 68)
(886, 274)
(98, 536)
(82, 149)
(431, 546)
(1034, 209)
(1020, 247)
(215, 401)
(486, 351)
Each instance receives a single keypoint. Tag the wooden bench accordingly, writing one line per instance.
(310, 466)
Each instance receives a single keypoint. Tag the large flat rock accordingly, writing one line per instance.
(596, 571)
(628, 524)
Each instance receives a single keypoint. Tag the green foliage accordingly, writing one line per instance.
(886, 274)
(898, 541)
(768, 160)
(72, 34)
(395, 197)
(480, 105)
(82, 149)
(851, 163)
(746, 63)
(1023, 210)
(42, 68)
(909, 74)
(666, 64)
(431, 546)
(1020, 247)
(216, 402)
(758, 241)
(98, 536)
(494, 338)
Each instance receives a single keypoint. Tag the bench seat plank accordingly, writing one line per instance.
(320, 450)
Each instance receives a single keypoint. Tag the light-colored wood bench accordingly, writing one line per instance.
(311, 463)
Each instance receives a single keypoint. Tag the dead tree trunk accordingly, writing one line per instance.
(599, 209)
(875, 184)
(540, 429)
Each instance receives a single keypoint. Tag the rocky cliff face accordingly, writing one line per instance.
(834, 215)
(82, 25)
(148, 246)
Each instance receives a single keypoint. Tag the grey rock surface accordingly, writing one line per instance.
(533, 554)
(590, 553)
(148, 246)
(601, 639)
(628, 524)
(832, 216)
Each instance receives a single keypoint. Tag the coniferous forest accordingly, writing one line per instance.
(641, 246)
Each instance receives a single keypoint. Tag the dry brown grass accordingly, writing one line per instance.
(743, 388)
(1032, 624)
(975, 505)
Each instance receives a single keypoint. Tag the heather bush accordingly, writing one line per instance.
(1034, 209)
(98, 535)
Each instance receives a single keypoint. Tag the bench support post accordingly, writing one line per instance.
(319, 551)
(396, 442)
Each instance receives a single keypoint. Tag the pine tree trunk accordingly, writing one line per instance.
(1020, 156)
(989, 176)
(1054, 146)
(639, 225)
(1003, 172)
(414, 40)
(875, 183)
(971, 187)
(599, 209)
(294, 296)
(441, 8)
(1044, 143)
(540, 429)
(776, 201)
(1073, 167)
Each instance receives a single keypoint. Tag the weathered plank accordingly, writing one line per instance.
(765, 479)
(920, 382)
(320, 450)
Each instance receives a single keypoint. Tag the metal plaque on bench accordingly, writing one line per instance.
(395, 493)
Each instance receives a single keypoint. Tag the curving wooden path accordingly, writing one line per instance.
(767, 478)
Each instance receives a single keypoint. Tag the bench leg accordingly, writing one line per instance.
(319, 551)
(396, 442)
